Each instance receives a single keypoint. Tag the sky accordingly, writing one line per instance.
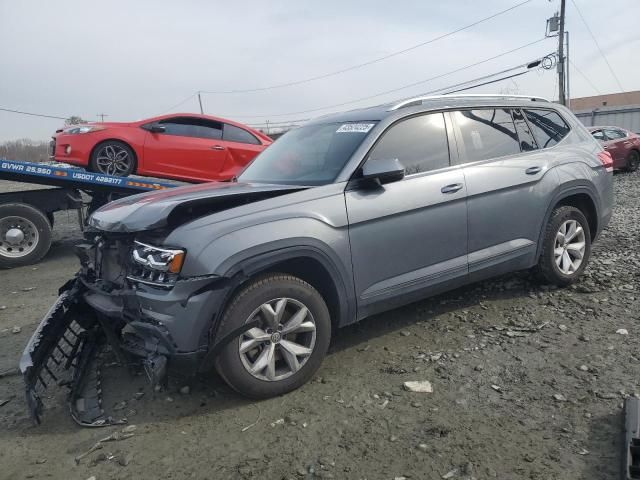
(133, 59)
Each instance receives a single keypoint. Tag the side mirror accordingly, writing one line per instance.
(383, 171)
(157, 128)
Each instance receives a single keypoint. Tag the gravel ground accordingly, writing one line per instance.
(528, 382)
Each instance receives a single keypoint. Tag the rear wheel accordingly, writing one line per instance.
(633, 161)
(113, 158)
(566, 246)
(25, 235)
(288, 342)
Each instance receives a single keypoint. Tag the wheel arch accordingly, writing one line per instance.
(581, 197)
(308, 263)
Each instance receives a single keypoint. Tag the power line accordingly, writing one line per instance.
(32, 114)
(440, 91)
(403, 87)
(613, 73)
(178, 104)
(488, 83)
(370, 62)
(582, 74)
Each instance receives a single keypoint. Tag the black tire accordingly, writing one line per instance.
(261, 290)
(10, 254)
(633, 161)
(547, 268)
(100, 162)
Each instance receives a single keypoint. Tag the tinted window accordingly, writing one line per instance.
(614, 133)
(527, 142)
(598, 135)
(487, 133)
(420, 143)
(311, 155)
(235, 134)
(548, 127)
(193, 127)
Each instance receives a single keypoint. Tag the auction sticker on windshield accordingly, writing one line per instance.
(355, 128)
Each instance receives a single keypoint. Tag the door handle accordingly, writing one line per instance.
(454, 187)
(217, 147)
(533, 170)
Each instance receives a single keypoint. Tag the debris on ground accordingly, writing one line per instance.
(422, 386)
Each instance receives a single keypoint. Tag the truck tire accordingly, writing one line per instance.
(287, 346)
(25, 235)
(566, 247)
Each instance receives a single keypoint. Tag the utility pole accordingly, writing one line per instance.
(102, 115)
(200, 102)
(568, 99)
(561, 60)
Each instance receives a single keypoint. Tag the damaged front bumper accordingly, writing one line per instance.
(142, 327)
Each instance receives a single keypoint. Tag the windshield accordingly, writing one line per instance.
(311, 155)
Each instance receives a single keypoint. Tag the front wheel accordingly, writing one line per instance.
(113, 158)
(566, 246)
(288, 342)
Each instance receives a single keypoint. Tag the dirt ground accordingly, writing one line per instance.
(528, 382)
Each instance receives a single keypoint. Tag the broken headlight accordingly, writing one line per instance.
(154, 265)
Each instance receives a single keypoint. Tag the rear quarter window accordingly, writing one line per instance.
(232, 133)
(548, 127)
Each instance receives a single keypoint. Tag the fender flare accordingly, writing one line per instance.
(574, 188)
(260, 257)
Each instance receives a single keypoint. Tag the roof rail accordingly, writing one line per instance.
(409, 102)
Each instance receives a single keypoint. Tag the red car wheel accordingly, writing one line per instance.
(113, 158)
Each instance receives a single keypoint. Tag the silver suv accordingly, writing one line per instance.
(347, 216)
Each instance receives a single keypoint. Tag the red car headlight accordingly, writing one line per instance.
(79, 129)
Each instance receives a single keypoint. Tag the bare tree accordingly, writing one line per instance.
(25, 150)
(74, 120)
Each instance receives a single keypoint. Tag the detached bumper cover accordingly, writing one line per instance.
(62, 353)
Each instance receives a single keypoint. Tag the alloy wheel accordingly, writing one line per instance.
(113, 160)
(282, 342)
(569, 247)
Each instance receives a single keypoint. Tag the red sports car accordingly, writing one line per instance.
(623, 145)
(182, 146)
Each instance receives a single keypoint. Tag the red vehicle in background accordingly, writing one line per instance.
(622, 145)
(182, 146)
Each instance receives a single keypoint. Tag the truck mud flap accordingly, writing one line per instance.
(64, 352)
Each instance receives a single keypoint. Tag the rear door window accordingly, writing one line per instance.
(419, 143)
(193, 127)
(598, 135)
(236, 134)
(527, 142)
(548, 127)
(486, 133)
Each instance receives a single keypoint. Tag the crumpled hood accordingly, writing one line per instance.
(153, 210)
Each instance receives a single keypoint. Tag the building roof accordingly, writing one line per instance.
(608, 100)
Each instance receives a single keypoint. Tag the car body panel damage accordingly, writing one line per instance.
(173, 207)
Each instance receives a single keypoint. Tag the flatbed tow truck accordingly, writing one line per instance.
(26, 215)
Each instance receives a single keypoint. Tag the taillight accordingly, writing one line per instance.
(606, 160)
